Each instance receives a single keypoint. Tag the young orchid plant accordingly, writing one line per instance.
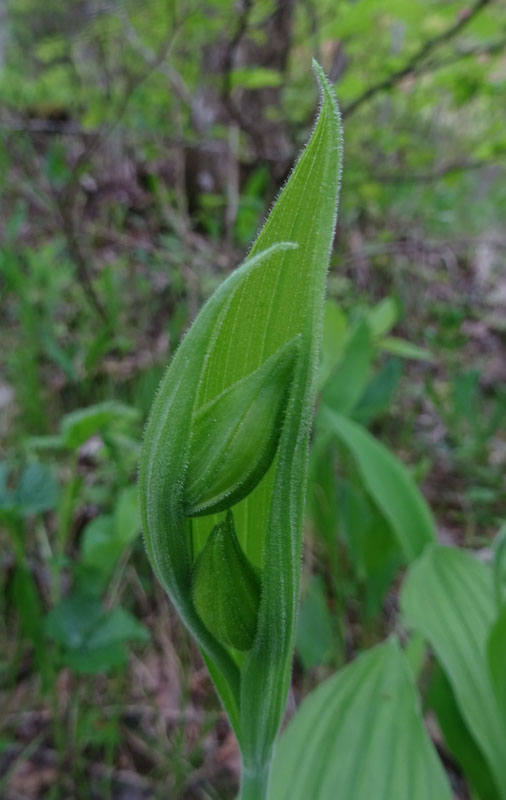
(224, 461)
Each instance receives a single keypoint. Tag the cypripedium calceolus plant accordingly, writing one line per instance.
(224, 461)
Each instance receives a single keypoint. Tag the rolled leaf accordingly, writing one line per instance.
(236, 436)
(226, 588)
(275, 298)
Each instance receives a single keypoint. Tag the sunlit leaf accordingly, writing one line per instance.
(78, 426)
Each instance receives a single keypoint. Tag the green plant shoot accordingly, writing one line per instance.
(224, 461)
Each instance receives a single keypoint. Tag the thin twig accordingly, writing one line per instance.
(434, 174)
(421, 54)
(490, 49)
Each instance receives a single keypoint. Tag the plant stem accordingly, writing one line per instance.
(254, 781)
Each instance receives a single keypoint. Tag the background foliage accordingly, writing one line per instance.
(141, 146)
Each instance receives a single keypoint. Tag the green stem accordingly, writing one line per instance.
(254, 782)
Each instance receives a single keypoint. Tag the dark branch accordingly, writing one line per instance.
(417, 58)
(491, 49)
(228, 63)
(437, 173)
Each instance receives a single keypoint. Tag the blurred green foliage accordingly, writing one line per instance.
(140, 148)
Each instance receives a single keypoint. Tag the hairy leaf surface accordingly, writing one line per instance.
(269, 312)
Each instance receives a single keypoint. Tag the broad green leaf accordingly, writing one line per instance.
(404, 349)
(360, 735)
(372, 547)
(448, 596)
(335, 327)
(322, 504)
(98, 660)
(105, 538)
(355, 517)
(126, 517)
(37, 490)
(441, 699)
(415, 651)
(348, 380)
(387, 481)
(78, 426)
(99, 547)
(73, 619)
(377, 396)
(315, 640)
(499, 566)
(276, 296)
(382, 559)
(496, 657)
(117, 625)
(383, 316)
(93, 640)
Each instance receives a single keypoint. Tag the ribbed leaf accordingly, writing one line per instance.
(360, 735)
(274, 299)
(387, 481)
(448, 596)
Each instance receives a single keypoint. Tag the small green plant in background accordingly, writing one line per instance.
(68, 609)
(360, 537)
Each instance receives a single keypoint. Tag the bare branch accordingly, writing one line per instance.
(439, 172)
(416, 59)
(490, 49)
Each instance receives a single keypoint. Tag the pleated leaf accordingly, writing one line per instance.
(448, 596)
(360, 735)
(388, 482)
(274, 299)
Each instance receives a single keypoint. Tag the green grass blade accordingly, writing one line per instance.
(163, 465)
